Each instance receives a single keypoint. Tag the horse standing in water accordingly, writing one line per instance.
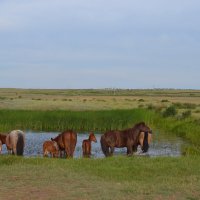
(15, 142)
(2, 141)
(86, 145)
(140, 134)
(50, 147)
(66, 141)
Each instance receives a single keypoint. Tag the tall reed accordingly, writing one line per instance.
(77, 120)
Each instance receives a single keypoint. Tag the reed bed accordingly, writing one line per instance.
(76, 120)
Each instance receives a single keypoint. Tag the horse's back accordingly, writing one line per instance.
(15, 141)
(115, 138)
(69, 140)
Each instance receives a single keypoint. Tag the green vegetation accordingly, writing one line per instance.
(100, 110)
(170, 111)
(186, 128)
(104, 99)
(76, 120)
(101, 179)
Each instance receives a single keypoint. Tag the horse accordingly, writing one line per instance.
(140, 134)
(2, 141)
(15, 142)
(86, 145)
(50, 147)
(66, 141)
(0, 146)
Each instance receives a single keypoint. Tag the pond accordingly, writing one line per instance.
(160, 146)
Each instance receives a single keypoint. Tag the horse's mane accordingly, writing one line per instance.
(139, 124)
(3, 138)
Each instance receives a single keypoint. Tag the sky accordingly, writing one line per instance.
(138, 44)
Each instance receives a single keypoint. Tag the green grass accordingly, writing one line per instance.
(76, 120)
(112, 178)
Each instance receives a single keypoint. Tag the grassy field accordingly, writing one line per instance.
(113, 178)
(77, 100)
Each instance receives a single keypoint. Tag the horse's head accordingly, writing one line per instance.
(145, 136)
(92, 137)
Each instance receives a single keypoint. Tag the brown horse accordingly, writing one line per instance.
(66, 141)
(15, 141)
(50, 147)
(2, 141)
(86, 145)
(140, 134)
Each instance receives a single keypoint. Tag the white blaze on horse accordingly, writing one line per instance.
(15, 142)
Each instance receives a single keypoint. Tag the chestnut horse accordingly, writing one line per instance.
(15, 141)
(86, 145)
(2, 141)
(140, 134)
(50, 147)
(66, 141)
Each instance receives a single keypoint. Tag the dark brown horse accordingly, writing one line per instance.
(86, 145)
(66, 141)
(140, 134)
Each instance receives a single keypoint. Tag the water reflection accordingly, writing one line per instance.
(159, 146)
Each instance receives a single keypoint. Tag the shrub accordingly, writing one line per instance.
(186, 114)
(170, 111)
(141, 100)
(185, 105)
(164, 100)
(150, 107)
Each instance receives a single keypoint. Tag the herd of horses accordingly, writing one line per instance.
(64, 144)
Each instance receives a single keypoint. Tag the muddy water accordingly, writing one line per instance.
(159, 147)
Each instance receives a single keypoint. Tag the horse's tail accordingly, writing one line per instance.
(72, 144)
(145, 142)
(104, 147)
(20, 144)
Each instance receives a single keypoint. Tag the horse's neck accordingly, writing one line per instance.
(90, 139)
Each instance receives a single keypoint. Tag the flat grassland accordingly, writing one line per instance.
(118, 177)
(93, 99)
(123, 178)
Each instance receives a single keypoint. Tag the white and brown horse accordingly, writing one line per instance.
(15, 142)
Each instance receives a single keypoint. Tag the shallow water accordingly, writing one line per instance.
(158, 147)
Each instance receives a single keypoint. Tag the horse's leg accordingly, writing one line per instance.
(134, 148)
(111, 150)
(129, 150)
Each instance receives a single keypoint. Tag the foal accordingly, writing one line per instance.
(86, 145)
(50, 147)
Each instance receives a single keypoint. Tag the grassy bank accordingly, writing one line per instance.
(113, 178)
